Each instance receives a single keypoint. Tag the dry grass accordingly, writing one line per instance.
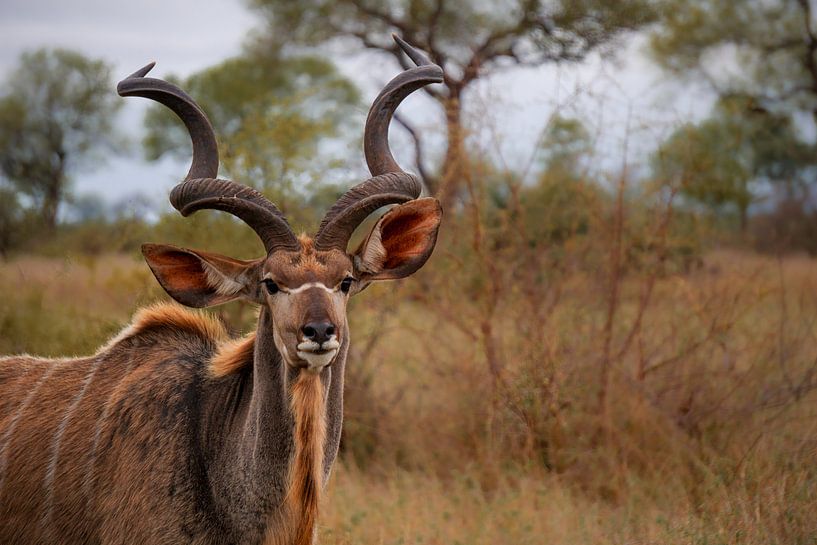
(62, 307)
(708, 436)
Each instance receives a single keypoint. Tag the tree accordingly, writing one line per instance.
(561, 203)
(271, 115)
(468, 39)
(772, 43)
(55, 116)
(719, 161)
(763, 53)
(10, 216)
(566, 143)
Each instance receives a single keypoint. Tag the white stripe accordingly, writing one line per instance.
(51, 472)
(4, 443)
(304, 287)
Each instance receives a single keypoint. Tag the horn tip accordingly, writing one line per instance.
(404, 45)
(142, 72)
(414, 54)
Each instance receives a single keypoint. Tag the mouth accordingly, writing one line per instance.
(317, 356)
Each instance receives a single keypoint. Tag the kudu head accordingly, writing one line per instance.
(304, 282)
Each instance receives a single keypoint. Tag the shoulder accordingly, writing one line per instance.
(170, 323)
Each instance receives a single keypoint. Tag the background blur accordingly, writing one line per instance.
(616, 338)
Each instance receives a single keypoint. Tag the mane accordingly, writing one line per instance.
(232, 356)
(173, 318)
(297, 521)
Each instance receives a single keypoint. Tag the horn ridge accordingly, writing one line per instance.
(356, 204)
(242, 201)
(389, 183)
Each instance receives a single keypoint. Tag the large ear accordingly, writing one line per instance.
(401, 241)
(200, 279)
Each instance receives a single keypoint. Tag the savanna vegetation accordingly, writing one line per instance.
(591, 356)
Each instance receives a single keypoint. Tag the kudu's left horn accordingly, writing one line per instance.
(389, 184)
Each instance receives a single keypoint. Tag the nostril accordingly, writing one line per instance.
(318, 332)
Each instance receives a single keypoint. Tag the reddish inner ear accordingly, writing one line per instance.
(182, 274)
(407, 231)
(178, 272)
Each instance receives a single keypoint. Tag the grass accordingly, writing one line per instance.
(707, 435)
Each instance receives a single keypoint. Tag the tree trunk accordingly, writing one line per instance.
(456, 161)
(51, 203)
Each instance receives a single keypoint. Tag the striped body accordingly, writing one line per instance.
(121, 447)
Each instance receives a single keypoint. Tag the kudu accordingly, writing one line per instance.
(175, 433)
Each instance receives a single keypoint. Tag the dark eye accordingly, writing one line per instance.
(346, 285)
(271, 286)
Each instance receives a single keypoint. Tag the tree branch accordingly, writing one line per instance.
(431, 182)
(433, 19)
(408, 34)
(490, 49)
(811, 45)
(381, 16)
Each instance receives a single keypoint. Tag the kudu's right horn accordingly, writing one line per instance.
(201, 189)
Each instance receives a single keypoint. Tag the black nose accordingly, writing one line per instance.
(318, 331)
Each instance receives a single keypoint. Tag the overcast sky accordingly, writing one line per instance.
(626, 102)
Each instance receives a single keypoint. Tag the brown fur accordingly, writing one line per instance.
(405, 234)
(232, 356)
(160, 316)
(401, 241)
(291, 269)
(64, 425)
(74, 502)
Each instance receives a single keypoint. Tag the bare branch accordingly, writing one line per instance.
(382, 16)
(491, 47)
(397, 53)
(811, 46)
(436, 56)
(431, 182)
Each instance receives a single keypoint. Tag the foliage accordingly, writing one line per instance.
(55, 115)
(468, 39)
(721, 161)
(790, 227)
(762, 57)
(525, 32)
(216, 232)
(663, 398)
(566, 144)
(771, 45)
(273, 116)
(10, 220)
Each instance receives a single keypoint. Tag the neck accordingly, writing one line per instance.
(277, 432)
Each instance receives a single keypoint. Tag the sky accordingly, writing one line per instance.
(627, 103)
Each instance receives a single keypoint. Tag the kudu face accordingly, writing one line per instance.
(304, 283)
(306, 293)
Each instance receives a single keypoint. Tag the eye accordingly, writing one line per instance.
(346, 285)
(271, 286)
